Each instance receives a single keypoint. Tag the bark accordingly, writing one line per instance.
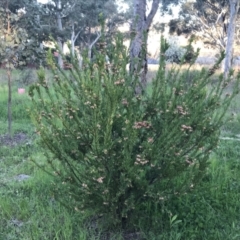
(73, 39)
(234, 6)
(60, 45)
(9, 81)
(138, 47)
(91, 46)
(9, 102)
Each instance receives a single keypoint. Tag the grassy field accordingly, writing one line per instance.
(28, 209)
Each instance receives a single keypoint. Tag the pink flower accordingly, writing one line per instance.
(143, 124)
(100, 180)
(150, 140)
(125, 102)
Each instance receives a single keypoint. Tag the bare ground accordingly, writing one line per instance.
(16, 139)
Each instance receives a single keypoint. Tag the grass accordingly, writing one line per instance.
(28, 209)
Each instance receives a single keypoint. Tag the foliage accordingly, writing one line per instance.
(77, 17)
(79, 20)
(208, 20)
(120, 154)
(17, 45)
(13, 40)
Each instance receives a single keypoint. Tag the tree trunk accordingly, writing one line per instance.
(234, 6)
(59, 24)
(138, 47)
(9, 80)
(9, 102)
(91, 46)
(73, 41)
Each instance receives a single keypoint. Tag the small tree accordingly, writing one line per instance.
(120, 154)
(12, 43)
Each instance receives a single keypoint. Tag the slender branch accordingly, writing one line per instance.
(76, 36)
(154, 8)
(92, 44)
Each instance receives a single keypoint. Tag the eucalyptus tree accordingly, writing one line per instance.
(84, 22)
(64, 20)
(141, 23)
(75, 20)
(214, 22)
(53, 15)
(207, 19)
(234, 8)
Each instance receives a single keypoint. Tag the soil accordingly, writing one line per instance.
(126, 236)
(15, 140)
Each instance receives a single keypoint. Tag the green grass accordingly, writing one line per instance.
(28, 209)
(212, 210)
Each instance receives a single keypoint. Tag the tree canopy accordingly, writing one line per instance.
(207, 19)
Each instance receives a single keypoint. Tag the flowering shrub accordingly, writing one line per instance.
(121, 154)
(176, 53)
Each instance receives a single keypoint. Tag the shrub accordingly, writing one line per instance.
(177, 54)
(120, 154)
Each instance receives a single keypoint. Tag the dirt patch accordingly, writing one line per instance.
(15, 140)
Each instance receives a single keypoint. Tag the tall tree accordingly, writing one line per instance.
(141, 23)
(139, 29)
(75, 20)
(83, 22)
(234, 7)
(55, 12)
(213, 21)
(207, 19)
(64, 20)
(60, 28)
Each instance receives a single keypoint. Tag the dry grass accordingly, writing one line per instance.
(152, 69)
